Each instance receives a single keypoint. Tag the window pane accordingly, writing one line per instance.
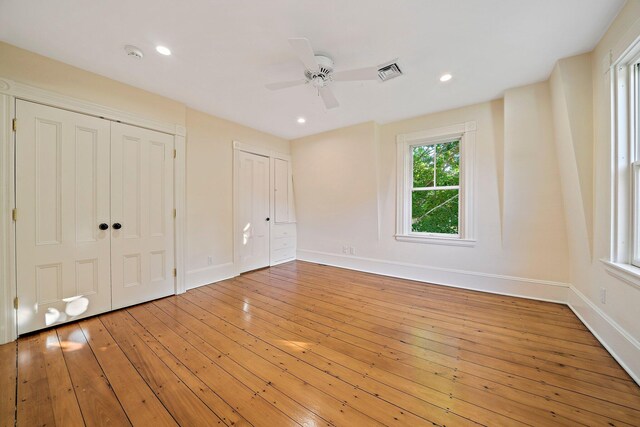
(435, 211)
(423, 164)
(448, 164)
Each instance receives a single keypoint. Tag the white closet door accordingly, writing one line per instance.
(62, 196)
(253, 215)
(142, 256)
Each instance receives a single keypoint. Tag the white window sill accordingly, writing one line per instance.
(435, 240)
(626, 272)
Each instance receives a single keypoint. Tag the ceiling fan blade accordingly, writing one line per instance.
(304, 51)
(367, 73)
(329, 99)
(284, 85)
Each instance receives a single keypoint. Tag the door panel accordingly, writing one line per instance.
(142, 202)
(62, 195)
(253, 205)
(281, 190)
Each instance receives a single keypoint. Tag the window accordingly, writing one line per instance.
(624, 260)
(435, 185)
(626, 188)
(435, 196)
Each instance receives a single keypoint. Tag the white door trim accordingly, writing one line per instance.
(9, 92)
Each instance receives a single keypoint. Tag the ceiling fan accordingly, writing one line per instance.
(319, 72)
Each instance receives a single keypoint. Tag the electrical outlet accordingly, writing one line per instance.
(209, 260)
(345, 249)
(352, 250)
(603, 295)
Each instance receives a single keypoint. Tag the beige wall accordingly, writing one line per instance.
(587, 271)
(209, 145)
(36, 70)
(345, 184)
(209, 185)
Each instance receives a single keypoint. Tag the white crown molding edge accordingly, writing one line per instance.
(42, 96)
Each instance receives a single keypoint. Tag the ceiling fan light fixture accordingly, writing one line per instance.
(133, 51)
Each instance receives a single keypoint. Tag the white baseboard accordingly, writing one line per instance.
(210, 274)
(493, 283)
(622, 346)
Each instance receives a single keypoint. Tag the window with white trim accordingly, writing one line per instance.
(435, 185)
(626, 149)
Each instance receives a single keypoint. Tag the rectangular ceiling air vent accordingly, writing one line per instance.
(389, 72)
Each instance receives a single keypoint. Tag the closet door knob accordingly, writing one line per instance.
(268, 219)
(103, 226)
(117, 226)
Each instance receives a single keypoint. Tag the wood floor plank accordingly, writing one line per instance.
(541, 401)
(401, 304)
(268, 363)
(313, 345)
(34, 399)
(430, 340)
(97, 401)
(517, 410)
(63, 396)
(138, 400)
(536, 368)
(185, 406)
(248, 394)
(8, 376)
(433, 410)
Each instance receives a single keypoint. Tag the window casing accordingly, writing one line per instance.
(436, 186)
(624, 260)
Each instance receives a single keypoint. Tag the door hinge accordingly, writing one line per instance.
(175, 272)
(14, 124)
(175, 213)
(175, 153)
(14, 214)
(15, 303)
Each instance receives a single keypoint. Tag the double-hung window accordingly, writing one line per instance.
(435, 185)
(624, 260)
(626, 150)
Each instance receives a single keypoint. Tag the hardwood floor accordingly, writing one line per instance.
(305, 344)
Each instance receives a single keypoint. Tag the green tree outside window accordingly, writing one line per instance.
(436, 188)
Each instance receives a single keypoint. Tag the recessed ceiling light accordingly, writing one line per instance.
(301, 120)
(162, 50)
(446, 77)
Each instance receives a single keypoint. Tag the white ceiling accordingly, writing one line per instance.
(225, 51)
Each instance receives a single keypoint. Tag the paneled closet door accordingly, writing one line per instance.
(62, 198)
(253, 211)
(142, 257)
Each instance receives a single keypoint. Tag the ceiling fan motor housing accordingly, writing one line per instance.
(320, 77)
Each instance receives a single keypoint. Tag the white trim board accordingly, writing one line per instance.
(210, 274)
(493, 283)
(623, 347)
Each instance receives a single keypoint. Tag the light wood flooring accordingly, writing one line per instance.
(305, 344)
